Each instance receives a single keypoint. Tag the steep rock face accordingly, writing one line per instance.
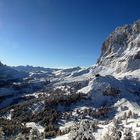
(121, 50)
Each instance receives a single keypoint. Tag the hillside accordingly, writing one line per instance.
(97, 103)
(7, 73)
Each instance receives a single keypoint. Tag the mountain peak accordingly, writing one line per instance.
(121, 50)
(1, 63)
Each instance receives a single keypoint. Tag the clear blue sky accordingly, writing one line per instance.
(59, 33)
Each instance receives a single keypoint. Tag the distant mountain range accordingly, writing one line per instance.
(8, 73)
(33, 69)
(97, 103)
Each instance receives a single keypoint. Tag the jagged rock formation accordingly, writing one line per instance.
(121, 50)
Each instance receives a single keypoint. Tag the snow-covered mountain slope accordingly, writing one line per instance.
(100, 102)
(113, 82)
(121, 51)
(7, 73)
(120, 55)
(66, 72)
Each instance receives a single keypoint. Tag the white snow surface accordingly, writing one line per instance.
(118, 68)
(35, 125)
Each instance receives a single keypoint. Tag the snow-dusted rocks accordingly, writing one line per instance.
(103, 90)
(120, 52)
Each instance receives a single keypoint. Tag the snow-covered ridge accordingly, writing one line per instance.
(33, 69)
(100, 102)
(121, 50)
(8, 73)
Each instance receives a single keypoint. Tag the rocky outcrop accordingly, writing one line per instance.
(105, 89)
(121, 50)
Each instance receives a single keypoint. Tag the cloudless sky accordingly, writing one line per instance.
(60, 33)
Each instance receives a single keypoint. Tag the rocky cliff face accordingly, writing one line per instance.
(121, 50)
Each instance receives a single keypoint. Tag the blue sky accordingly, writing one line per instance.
(59, 33)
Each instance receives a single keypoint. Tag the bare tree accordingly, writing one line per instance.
(113, 134)
(129, 114)
(35, 134)
(138, 136)
(1, 134)
(20, 137)
(128, 134)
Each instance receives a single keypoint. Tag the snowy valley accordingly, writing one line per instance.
(101, 102)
